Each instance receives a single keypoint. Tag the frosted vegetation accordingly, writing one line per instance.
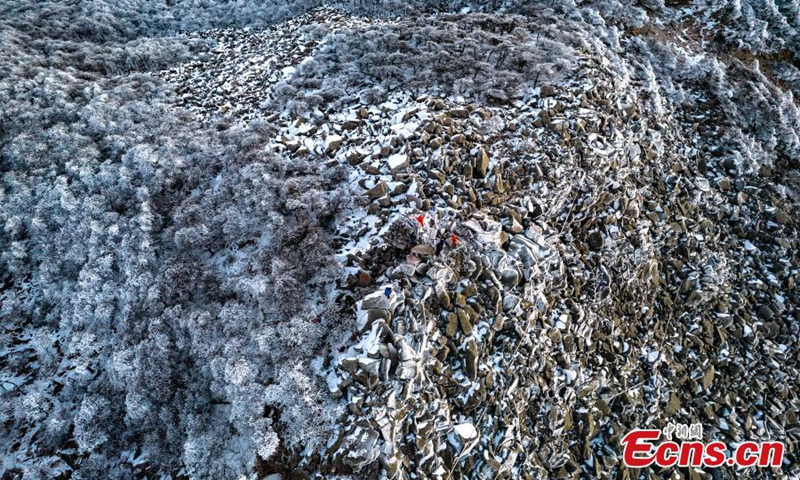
(165, 282)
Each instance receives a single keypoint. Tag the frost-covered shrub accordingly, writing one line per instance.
(100, 21)
(91, 423)
(471, 55)
(755, 125)
(154, 276)
(756, 25)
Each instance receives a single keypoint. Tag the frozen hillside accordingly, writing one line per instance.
(401, 240)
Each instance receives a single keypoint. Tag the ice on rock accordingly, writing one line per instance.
(466, 431)
(397, 161)
(653, 356)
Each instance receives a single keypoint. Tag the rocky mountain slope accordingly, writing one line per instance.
(543, 226)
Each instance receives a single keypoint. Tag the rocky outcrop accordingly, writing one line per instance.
(532, 281)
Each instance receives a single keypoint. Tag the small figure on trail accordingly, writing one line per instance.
(454, 240)
(388, 292)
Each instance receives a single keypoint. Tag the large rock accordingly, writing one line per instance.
(471, 359)
(361, 447)
(332, 143)
(377, 191)
(481, 163)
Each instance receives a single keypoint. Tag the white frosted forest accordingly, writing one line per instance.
(395, 240)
